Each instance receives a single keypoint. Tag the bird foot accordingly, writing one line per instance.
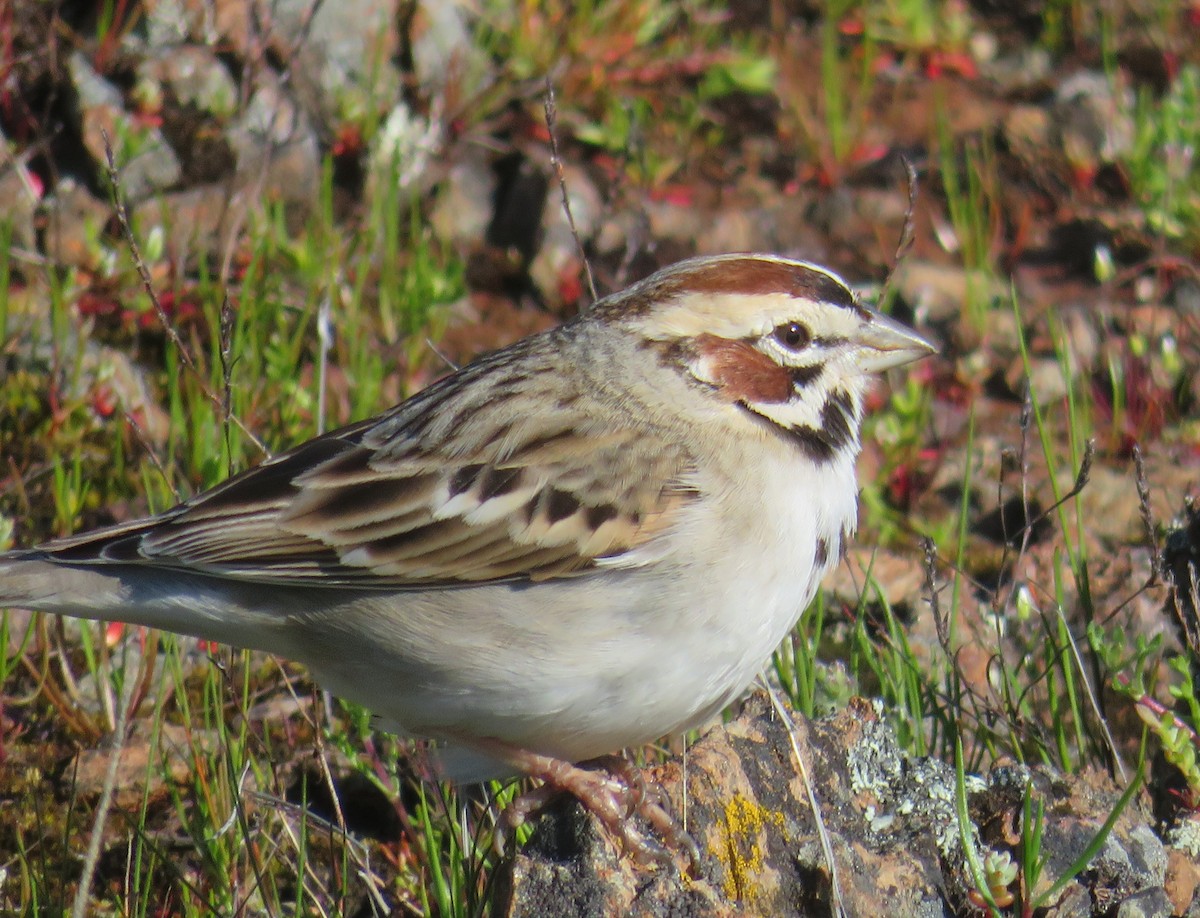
(614, 791)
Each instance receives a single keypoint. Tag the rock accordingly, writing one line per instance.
(1182, 880)
(940, 293)
(75, 220)
(1044, 379)
(146, 762)
(674, 218)
(18, 622)
(1185, 296)
(733, 230)
(125, 388)
(168, 24)
(445, 54)
(194, 76)
(1026, 69)
(462, 209)
(897, 578)
(145, 161)
(891, 821)
(1110, 504)
(341, 55)
(275, 145)
(198, 222)
(1092, 112)
(20, 193)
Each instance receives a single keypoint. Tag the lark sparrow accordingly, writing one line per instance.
(582, 542)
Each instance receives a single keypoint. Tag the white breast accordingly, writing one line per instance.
(582, 667)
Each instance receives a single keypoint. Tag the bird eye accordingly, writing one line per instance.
(792, 335)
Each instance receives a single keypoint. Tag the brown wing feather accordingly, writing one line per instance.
(452, 487)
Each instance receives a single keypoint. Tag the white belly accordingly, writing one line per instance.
(587, 666)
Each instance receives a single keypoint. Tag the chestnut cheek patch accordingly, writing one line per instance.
(741, 371)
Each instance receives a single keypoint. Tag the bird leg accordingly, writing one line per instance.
(611, 788)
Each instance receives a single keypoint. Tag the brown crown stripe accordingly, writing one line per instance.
(747, 276)
(754, 277)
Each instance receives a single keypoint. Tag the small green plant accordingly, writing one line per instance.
(830, 125)
(999, 871)
(901, 431)
(1033, 861)
(970, 183)
(1164, 164)
(1133, 674)
(918, 25)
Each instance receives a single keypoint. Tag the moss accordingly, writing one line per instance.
(739, 847)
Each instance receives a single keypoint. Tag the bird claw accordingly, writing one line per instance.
(614, 791)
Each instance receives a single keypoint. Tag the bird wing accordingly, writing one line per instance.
(462, 484)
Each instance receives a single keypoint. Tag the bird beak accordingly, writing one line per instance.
(885, 343)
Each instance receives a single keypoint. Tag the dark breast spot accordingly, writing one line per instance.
(811, 442)
(838, 419)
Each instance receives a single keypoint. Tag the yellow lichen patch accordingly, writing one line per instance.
(739, 846)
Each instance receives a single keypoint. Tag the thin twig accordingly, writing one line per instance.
(441, 355)
(939, 620)
(324, 344)
(148, 284)
(225, 352)
(1101, 720)
(908, 232)
(1081, 481)
(1143, 491)
(80, 908)
(151, 453)
(835, 887)
(139, 262)
(556, 162)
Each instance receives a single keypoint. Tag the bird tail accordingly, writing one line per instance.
(29, 580)
(139, 595)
